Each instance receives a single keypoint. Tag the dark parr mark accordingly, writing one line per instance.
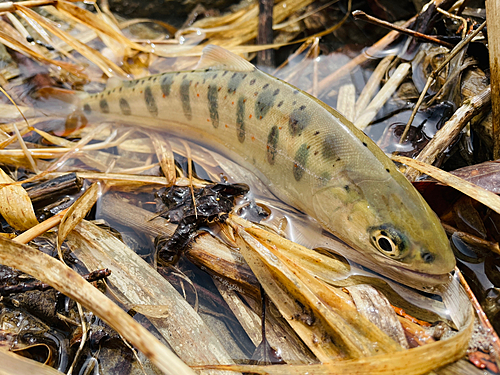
(276, 92)
(364, 144)
(166, 85)
(298, 121)
(234, 82)
(213, 105)
(252, 82)
(329, 149)
(103, 104)
(186, 103)
(240, 119)
(264, 103)
(87, 109)
(125, 107)
(272, 143)
(300, 162)
(150, 102)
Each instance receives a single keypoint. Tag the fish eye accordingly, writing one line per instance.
(388, 241)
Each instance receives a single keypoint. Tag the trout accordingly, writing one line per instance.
(308, 154)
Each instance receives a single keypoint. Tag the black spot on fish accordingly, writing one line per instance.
(264, 102)
(87, 109)
(329, 149)
(125, 107)
(150, 78)
(302, 107)
(240, 119)
(272, 143)
(388, 171)
(276, 92)
(252, 82)
(298, 121)
(280, 103)
(265, 86)
(215, 76)
(103, 104)
(184, 76)
(244, 76)
(295, 92)
(364, 144)
(213, 106)
(186, 103)
(142, 82)
(225, 72)
(154, 79)
(234, 82)
(150, 102)
(347, 188)
(300, 162)
(166, 84)
(120, 89)
(316, 132)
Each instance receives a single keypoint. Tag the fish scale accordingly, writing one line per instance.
(307, 153)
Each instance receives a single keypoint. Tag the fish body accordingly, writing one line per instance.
(308, 154)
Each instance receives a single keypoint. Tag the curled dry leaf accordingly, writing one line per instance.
(15, 205)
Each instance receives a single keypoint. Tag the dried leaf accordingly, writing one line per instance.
(13, 364)
(136, 283)
(93, 21)
(68, 282)
(108, 67)
(15, 205)
(77, 212)
(481, 195)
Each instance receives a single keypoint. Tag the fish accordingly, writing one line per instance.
(308, 154)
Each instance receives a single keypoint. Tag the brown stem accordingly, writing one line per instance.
(360, 15)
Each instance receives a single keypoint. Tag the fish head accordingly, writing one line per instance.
(394, 230)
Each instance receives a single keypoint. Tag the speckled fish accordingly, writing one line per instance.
(308, 154)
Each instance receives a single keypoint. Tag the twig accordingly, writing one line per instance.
(265, 32)
(483, 319)
(471, 239)
(450, 130)
(41, 228)
(493, 17)
(435, 73)
(362, 16)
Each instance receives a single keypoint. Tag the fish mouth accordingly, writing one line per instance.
(422, 281)
(418, 280)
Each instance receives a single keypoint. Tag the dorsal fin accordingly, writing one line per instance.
(215, 57)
